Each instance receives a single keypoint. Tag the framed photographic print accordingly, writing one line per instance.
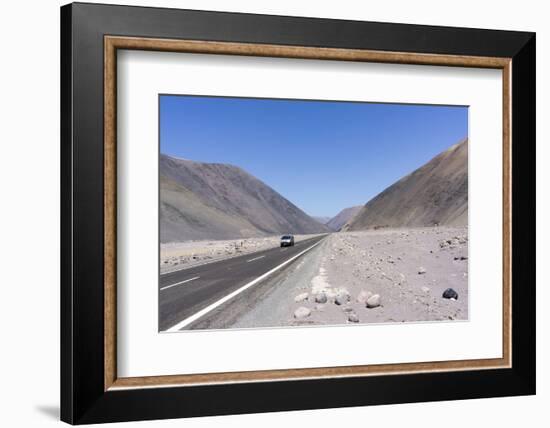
(264, 213)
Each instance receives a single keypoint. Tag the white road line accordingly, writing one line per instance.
(214, 305)
(255, 258)
(179, 283)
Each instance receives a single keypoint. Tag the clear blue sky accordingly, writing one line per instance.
(321, 155)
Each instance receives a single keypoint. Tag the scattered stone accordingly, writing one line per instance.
(302, 312)
(301, 297)
(373, 301)
(320, 308)
(321, 298)
(461, 258)
(421, 270)
(425, 289)
(353, 317)
(449, 293)
(348, 309)
(363, 296)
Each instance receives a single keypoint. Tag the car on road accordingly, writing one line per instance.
(287, 241)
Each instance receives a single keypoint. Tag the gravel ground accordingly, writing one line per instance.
(409, 269)
(378, 276)
(180, 255)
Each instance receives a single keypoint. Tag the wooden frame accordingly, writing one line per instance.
(112, 43)
(517, 71)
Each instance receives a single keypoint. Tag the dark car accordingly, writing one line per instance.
(287, 241)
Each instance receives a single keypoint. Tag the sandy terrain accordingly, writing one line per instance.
(179, 255)
(409, 269)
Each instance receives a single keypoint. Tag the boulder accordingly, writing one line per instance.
(353, 317)
(363, 296)
(301, 297)
(321, 298)
(449, 293)
(302, 312)
(373, 301)
(341, 298)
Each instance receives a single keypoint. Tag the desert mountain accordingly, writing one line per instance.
(344, 216)
(321, 219)
(218, 201)
(436, 193)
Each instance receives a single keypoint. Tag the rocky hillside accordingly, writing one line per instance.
(217, 201)
(436, 193)
(344, 216)
(321, 219)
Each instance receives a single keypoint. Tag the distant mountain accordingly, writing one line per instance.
(218, 201)
(322, 220)
(436, 193)
(336, 222)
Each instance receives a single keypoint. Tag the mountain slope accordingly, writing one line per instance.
(217, 201)
(321, 219)
(344, 216)
(436, 193)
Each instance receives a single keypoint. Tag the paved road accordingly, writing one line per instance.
(188, 295)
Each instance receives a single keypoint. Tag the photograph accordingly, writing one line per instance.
(275, 211)
(295, 213)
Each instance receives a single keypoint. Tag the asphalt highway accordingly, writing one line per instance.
(190, 294)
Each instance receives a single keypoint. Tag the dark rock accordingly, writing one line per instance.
(449, 293)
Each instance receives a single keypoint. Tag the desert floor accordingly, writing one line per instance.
(378, 276)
